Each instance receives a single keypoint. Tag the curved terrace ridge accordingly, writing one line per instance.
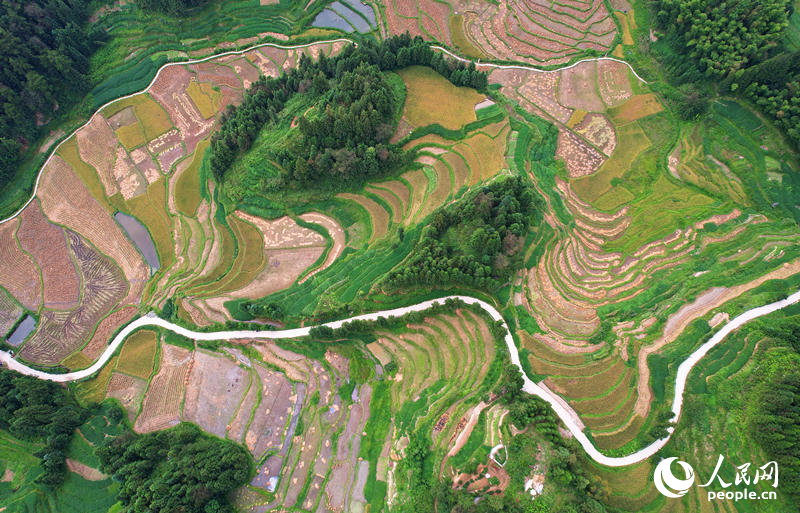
(565, 413)
(284, 47)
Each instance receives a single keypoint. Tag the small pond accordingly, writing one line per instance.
(23, 330)
(141, 237)
(346, 17)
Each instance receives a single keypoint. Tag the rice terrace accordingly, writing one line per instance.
(431, 256)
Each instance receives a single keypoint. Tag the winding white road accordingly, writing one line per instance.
(285, 47)
(566, 414)
(534, 68)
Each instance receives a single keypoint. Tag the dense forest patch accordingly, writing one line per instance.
(43, 66)
(173, 7)
(743, 44)
(349, 115)
(178, 470)
(40, 411)
(476, 240)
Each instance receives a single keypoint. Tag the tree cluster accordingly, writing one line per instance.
(181, 470)
(739, 42)
(475, 241)
(43, 65)
(42, 412)
(171, 7)
(722, 36)
(346, 137)
(349, 139)
(774, 85)
(775, 412)
(776, 427)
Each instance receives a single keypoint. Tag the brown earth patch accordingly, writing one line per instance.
(718, 219)
(283, 233)
(67, 201)
(105, 329)
(614, 84)
(162, 402)
(47, 244)
(536, 92)
(128, 390)
(246, 71)
(85, 471)
(61, 332)
(577, 88)
(131, 181)
(580, 158)
(264, 64)
(215, 388)
(18, 274)
(599, 131)
(238, 424)
(267, 428)
(170, 91)
(96, 146)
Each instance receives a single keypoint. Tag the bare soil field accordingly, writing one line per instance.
(613, 82)
(577, 88)
(107, 326)
(581, 159)
(596, 129)
(96, 146)
(170, 92)
(62, 332)
(535, 32)
(287, 250)
(85, 471)
(46, 243)
(18, 274)
(238, 424)
(66, 201)
(267, 428)
(162, 402)
(10, 312)
(214, 390)
(129, 391)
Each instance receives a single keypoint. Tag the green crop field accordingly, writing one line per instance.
(615, 212)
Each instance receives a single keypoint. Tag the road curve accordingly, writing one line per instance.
(285, 47)
(565, 413)
(162, 68)
(534, 68)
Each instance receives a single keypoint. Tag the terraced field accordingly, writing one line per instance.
(460, 139)
(655, 231)
(324, 422)
(528, 32)
(85, 487)
(133, 157)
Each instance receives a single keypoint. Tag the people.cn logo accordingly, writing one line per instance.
(668, 484)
